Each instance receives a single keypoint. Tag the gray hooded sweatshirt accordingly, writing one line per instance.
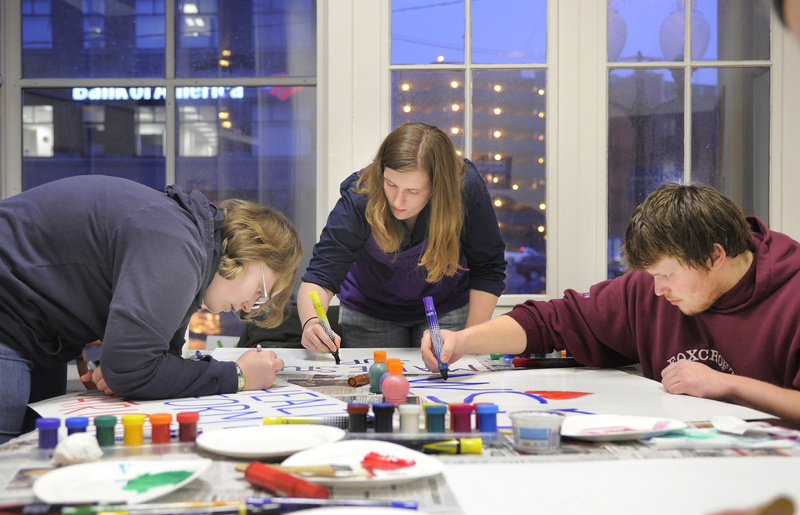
(95, 257)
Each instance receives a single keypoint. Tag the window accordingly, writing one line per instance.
(687, 109)
(582, 159)
(477, 70)
(232, 112)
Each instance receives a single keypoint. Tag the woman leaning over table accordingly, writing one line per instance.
(417, 222)
(101, 258)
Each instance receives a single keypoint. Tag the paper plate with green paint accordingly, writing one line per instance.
(122, 482)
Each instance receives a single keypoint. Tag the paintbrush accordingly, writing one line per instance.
(329, 470)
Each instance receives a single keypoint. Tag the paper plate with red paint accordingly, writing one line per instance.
(117, 482)
(372, 462)
(605, 428)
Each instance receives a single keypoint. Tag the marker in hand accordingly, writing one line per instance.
(436, 335)
(323, 319)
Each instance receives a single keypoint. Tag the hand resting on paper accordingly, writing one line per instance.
(696, 379)
(96, 376)
(259, 368)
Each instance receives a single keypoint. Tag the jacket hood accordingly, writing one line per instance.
(768, 272)
(208, 219)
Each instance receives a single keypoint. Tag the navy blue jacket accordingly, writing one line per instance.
(94, 257)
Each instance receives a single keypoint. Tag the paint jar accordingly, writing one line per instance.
(105, 430)
(486, 417)
(76, 424)
(461, 417)
(48, 432)
(477, 415)
(133, 423)
(389, 361)
(434, 417)
(395, 385)
(187, 426)
(160, 423)
(409, 417)
(536, 432)
(376, 370)
(358, 417)
(384, 413)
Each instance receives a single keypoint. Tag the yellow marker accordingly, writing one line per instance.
(341, 421)
(455, 446)
(323, 319)
(133, 424)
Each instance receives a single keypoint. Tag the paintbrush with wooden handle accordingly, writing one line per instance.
(329, 470)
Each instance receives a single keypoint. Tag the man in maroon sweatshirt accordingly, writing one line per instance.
(710, 307)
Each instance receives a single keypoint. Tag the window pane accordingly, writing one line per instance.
(88, 131)
(435, 98)
(64, 38)
(730, 134)
(256, 144)
(645, 143)
(635, 28)
(427, 31)
(509, 31)
(508, 147)
(738, 29)
(653, 30)
(251, 143)
(259, 38)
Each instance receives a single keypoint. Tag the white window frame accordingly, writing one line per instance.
(354, 116)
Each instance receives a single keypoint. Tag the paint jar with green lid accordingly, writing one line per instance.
(105, 430)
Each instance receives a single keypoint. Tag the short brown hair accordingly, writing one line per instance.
(684, 223)
(255, 233)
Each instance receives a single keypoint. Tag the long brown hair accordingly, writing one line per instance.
(255, 233)
(684, 223)
(412, 147)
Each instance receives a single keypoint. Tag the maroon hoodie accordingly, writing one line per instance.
(753, 330)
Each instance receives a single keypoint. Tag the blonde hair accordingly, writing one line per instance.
(412, 147)
(255, 233)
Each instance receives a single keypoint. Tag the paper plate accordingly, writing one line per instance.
(605, 428)
(353, 453)
(275, 441)
(128, 481)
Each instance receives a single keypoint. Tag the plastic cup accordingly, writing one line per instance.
(536, 432)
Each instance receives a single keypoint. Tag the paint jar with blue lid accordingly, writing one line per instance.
(48, 432)
(486, 415)
(536, 432)
(76, 424)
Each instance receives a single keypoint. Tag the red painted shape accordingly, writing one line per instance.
(374, 461)
(559, 396)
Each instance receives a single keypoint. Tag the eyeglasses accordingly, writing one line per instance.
(261, 300)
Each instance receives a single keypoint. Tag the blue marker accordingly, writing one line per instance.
(436, 335)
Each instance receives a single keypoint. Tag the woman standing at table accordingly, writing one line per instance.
(93, 257)
(417, 222)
